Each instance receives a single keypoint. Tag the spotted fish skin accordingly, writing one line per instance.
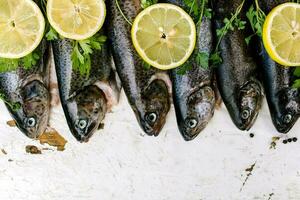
(146, 89)
(237, 75)
(283, 100)
(29, 88)
(193, 92)
(85, 98)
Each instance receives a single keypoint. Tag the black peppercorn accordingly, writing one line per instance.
(284, 141)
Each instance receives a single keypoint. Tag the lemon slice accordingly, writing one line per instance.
(281, 34)
(76, 19)
(164, 35)
(22, 28)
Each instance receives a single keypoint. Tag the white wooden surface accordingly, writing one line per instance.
(120, 162)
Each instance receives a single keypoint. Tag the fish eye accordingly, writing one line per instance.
(82, 124)
(30, 122)
(191, 123)
(287, 118)
(245, 114)
(151, 117)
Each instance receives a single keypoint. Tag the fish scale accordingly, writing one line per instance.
(29, 87)
(237, 75)
(85, 98)
(193, 92)
(283, 100)
(147, 90)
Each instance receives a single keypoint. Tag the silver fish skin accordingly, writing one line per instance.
(193, 92)
(147, 90)
(29, 88)
(283, 100)
(85, 98)
(237, 75)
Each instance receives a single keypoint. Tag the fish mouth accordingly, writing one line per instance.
(85, 111)
(199, 109)
(250, 103)
(286, 122)
(149, 130)
(288, 110)
(32, 117)
(83, 135)
(152, 129)
(244, 109)
(189, 133)
(152, 112)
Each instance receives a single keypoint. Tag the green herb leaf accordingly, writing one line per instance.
(30, 60)
(202, 59)
(147, 3)
(82, 50)
(215, 58)
(51, 34)
(296, 84)
(256, 18)
(146, 65)
(8, 64)
(27, 62)
(208, 13)
(229, 25)
(13, 105)
(184, 68)
(297, 72)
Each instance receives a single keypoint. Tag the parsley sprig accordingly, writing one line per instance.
(297, 81)
(7, 64)
(82, 51)
(256, 19)
(147, 3)
(230, 24)
(198, 9)
(14, 106)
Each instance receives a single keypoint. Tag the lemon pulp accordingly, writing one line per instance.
(164, 35)
(281, 34)
(22, 28)
(76, 19)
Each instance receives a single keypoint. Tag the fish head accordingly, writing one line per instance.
(249, 104)
(85, 112)
(289, 109)
(156, 105)
(196, 113)
(32, 117)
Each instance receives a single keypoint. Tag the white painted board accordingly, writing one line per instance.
(121, 162)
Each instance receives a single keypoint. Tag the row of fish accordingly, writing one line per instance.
(240, 79)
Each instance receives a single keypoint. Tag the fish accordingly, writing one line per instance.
(28, 88)
(85, 98)
(237, 75)
(148, 90)
(194, 92)
(283, 100)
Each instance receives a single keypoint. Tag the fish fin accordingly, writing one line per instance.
(53, 84)
(111, 95)
(166, 79)
(218, 97)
